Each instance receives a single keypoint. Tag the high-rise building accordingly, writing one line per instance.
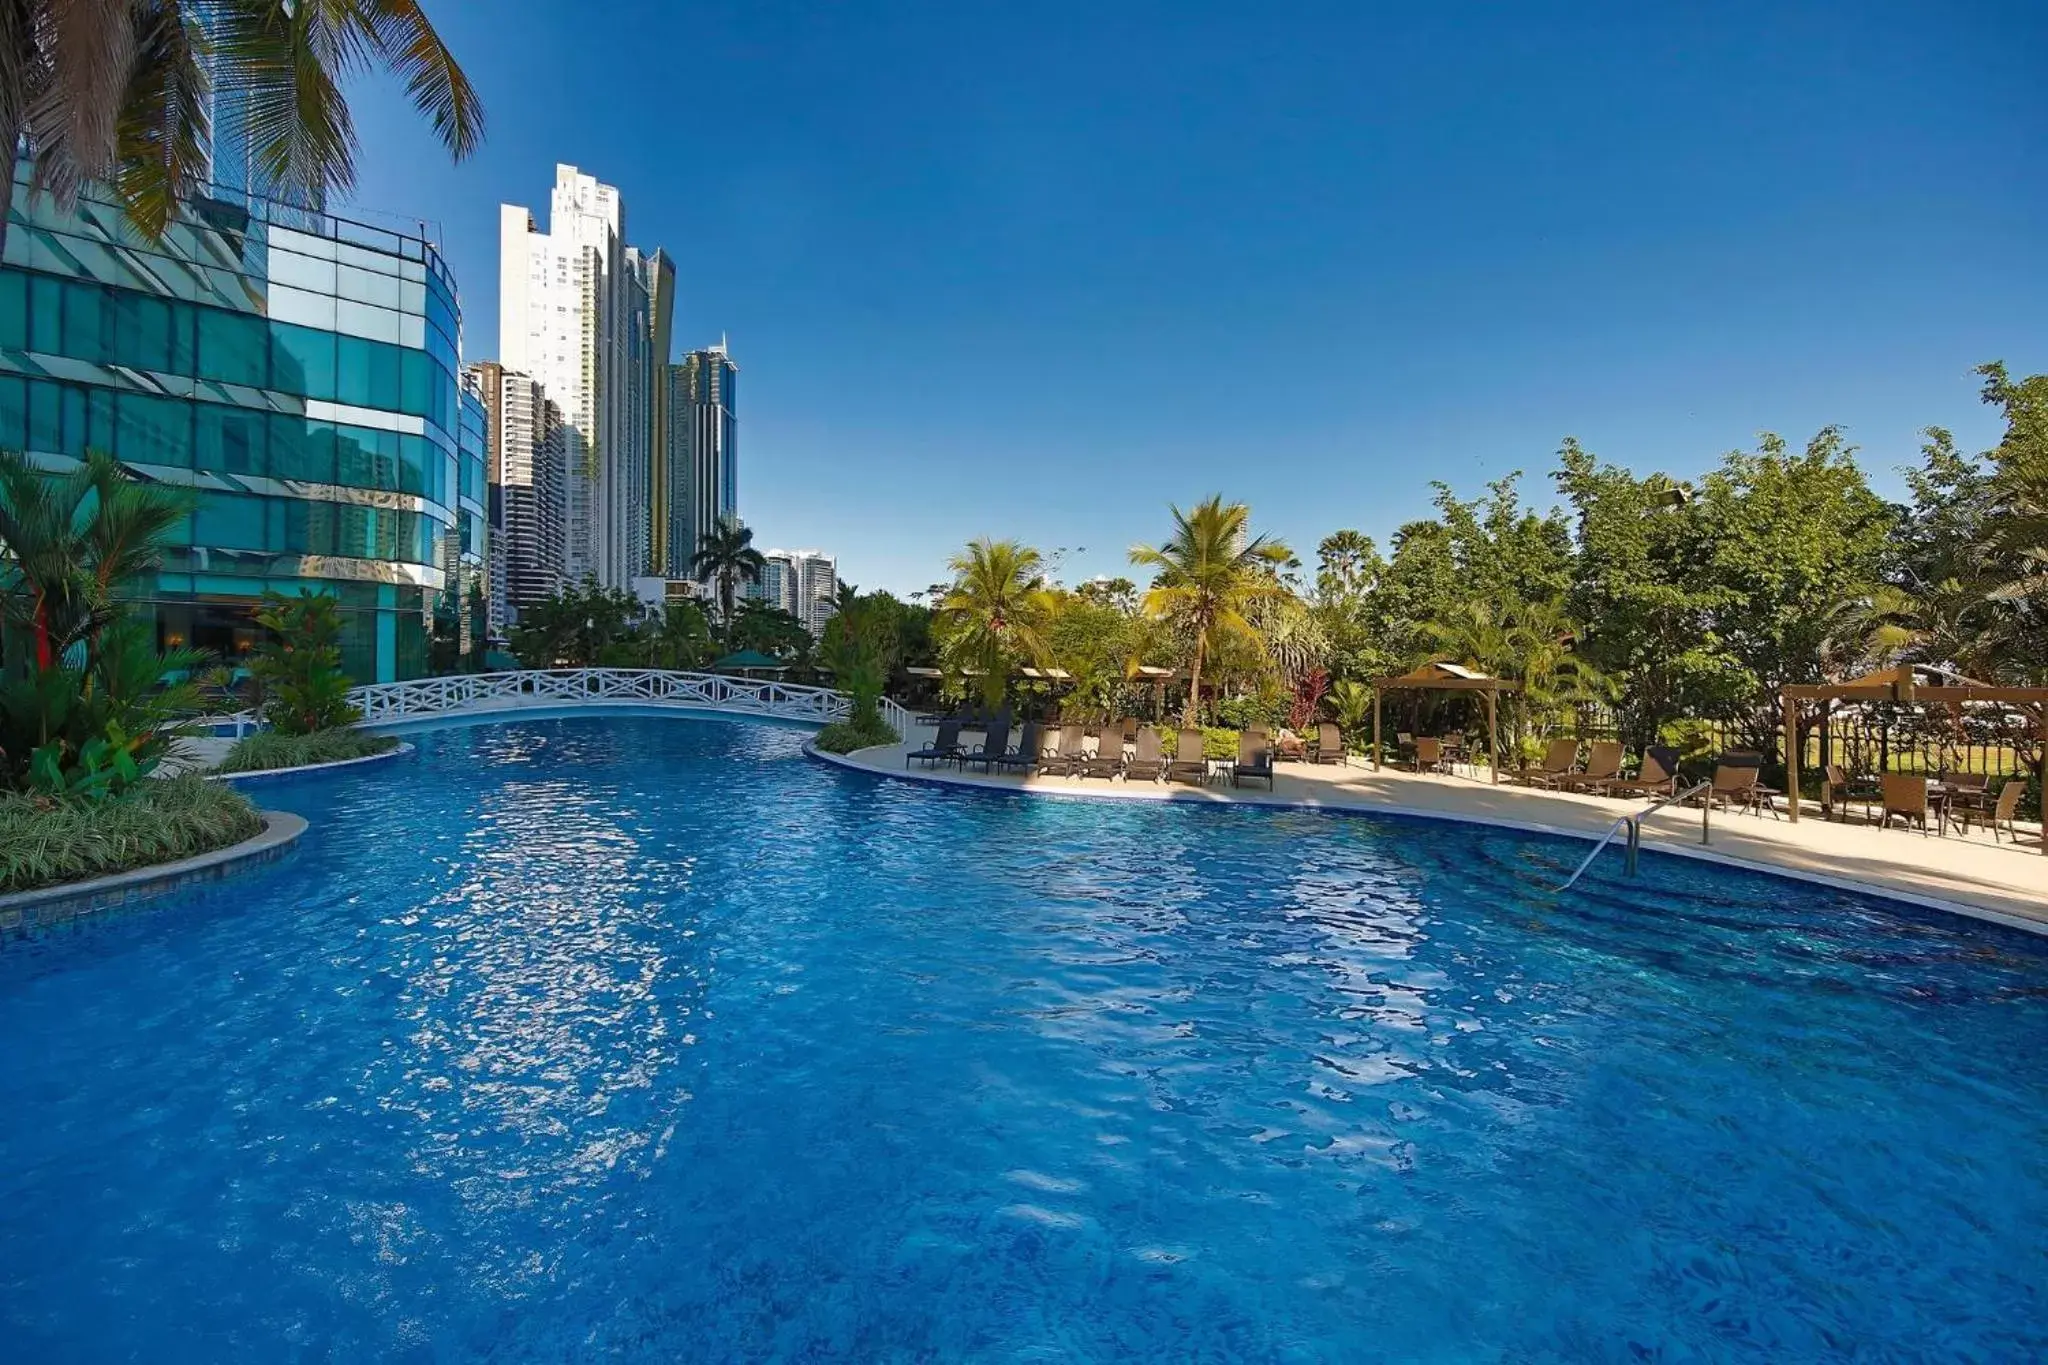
(658, 277)
(297, 374)
(703, 448)
(564, 320)
(804, 583)
(528, 474)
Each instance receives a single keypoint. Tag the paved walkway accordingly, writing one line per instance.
(1997, 881)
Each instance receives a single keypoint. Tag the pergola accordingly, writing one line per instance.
(1900, 685)
(1441, 677)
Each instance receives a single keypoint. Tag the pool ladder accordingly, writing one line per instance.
(1633, 824)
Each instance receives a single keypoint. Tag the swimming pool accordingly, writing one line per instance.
(653, 1039)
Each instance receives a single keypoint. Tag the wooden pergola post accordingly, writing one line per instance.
(1791, 753)
(1492, 738)
(1375, 727)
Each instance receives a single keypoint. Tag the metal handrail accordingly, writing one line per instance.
(1634, 825)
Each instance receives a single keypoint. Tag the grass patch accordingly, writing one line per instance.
(266, 749)
(45, 841)
(843, 737)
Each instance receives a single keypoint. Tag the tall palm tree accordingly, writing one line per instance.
(1207, 576)
(117, 91)
(726, 552)
(71, 540)
(996, 612)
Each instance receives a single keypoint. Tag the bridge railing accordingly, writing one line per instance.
(420, 697)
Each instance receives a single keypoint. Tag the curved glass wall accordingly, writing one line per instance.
(298, 376)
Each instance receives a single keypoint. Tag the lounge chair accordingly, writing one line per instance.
(1838, 789)
(1603, 765)
(943, 749)
(2008, 806)
(1657, 777)
(1329, 743)
(1150, 760)
(1557, 762)
(1429, 755)
(1189, 762)
(1905, 798)
(1736, 785)
(1108, 759)
(1289, 745)
(994, 745)
(1024, 758)
(1066, 756)
(1254, 760)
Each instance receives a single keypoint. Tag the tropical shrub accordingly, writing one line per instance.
(44, 842)
(299, 665)
(843, 737)
(83, 710)
(268, 749)
(860, 640)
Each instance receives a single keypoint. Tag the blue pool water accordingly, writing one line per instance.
(652, 1039)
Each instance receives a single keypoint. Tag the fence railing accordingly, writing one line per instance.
(420, 697)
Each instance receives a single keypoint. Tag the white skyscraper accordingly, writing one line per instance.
(804, 583)
(565, 318)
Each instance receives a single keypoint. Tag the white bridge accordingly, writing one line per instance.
(600, 688)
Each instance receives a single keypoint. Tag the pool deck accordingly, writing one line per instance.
(1973, 876)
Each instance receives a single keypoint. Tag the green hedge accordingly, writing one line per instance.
(45, 841)
(267, 749)
(843, 737)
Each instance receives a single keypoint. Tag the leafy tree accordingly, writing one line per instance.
(727, 554)
(860, 641)
(578, 627)
(1207, 576)
(996, 614)
(117, 91)
(771, 630)
(679, 638)
(299, 664)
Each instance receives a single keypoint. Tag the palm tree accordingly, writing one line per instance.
(1208, 575)
(996, 613)
(727, 554)
(72, 540)
(117, 91)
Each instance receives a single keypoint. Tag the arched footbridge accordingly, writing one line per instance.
(607, 688)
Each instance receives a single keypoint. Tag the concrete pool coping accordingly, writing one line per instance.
(2014, 905)
(46, 905)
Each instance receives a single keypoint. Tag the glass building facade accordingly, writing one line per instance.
(297, 377)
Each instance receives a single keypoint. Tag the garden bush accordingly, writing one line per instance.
(45, 841)
(843, 737)
(267, 749)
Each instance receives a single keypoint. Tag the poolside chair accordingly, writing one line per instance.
(1254, 760)
(1289, 745)
(1657, 777)
(995, 743)
(1067, 754)
(1905, 798)
(1736, 784)
(943, 749)
(1024, 758)
(1838, 789)
(1149, 761)
(1557, 762)
(1603, 765)
(1108, 759)
(2008, 806)
(1189, 762)
(1429, 755)
(1329, 743)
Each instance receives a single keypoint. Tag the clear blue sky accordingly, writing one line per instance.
(1035, 271)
